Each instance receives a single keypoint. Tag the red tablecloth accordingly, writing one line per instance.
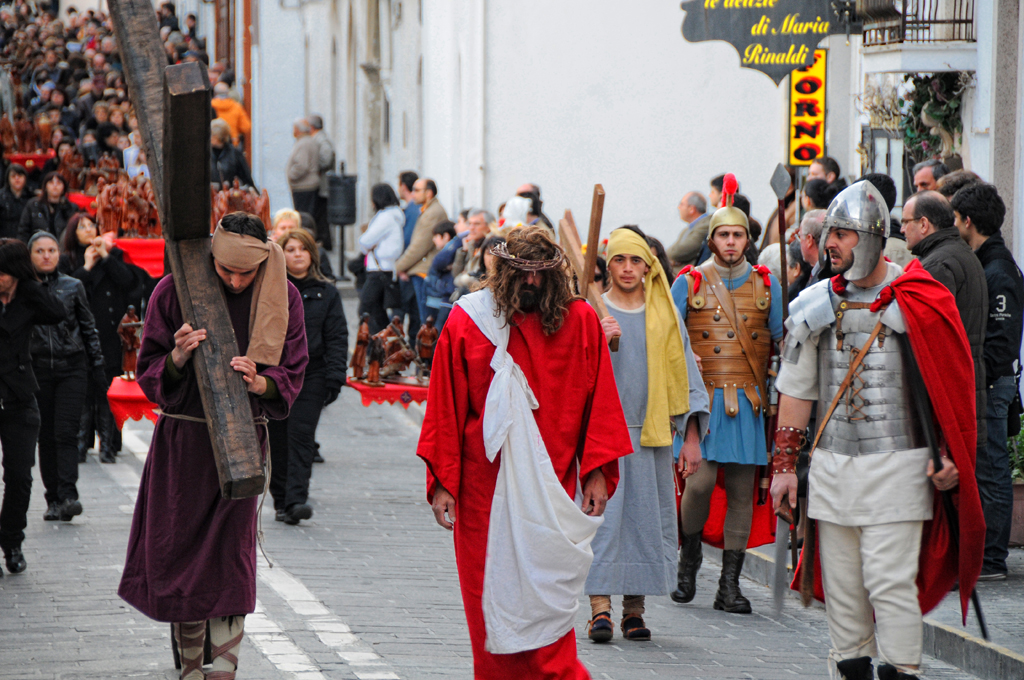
(83, 202)
(30, 161)
(147, 253)
(128, 402)
(405, 392)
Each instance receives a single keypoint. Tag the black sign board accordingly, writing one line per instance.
(771, 36)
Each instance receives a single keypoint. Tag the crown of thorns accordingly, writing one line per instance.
(501, 250)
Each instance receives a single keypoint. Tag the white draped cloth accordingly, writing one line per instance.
(538, 541)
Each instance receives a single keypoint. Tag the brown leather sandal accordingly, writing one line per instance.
(190, 636)
(224, 650)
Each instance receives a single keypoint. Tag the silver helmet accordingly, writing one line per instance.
(859, 208)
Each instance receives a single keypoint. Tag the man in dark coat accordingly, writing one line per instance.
(932, 236)
(979, 213)
(191, 552)
(13, 199)
(24, 303)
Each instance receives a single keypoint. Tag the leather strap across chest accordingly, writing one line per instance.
(713, 280)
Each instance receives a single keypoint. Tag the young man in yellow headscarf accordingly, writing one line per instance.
(658, 382)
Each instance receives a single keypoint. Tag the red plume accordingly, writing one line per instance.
(729, 188)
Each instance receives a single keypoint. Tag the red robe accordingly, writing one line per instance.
(943, 354)
(564, 370)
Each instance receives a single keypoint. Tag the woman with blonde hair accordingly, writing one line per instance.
(293, 440)
(284, 220)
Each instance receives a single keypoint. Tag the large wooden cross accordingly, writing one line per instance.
(172, 104)
(584, 266)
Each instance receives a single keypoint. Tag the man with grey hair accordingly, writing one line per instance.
(810, 233)
(231, 112)
(325, 157)
(686, 250)
(927, 174)
(303, 168)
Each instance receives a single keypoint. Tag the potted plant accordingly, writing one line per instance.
(1016, 449)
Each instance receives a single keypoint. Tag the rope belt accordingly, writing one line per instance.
(257, 420)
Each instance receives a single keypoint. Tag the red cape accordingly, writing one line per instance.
(939, 343)
(762, 523)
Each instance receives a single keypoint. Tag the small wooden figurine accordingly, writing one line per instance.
(426, 340)
(358, 361)
(128, 329)
(376, 356)
(397, 362)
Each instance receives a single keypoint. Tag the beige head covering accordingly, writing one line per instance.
(268, 317)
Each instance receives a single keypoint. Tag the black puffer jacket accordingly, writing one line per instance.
(41, 215)
(227, 163)
(946, 257)
(1005, 307)
(73, 342)
(326, 329)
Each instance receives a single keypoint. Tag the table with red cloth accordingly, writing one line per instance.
(83, 202)
(127, 402)
(403, 391)
(147, 253)
(30, 161)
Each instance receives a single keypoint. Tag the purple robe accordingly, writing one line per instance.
(191, 553)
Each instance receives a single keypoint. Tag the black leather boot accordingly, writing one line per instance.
(106, 428)
(857, 669)
(889, 672)
(690, 558)
(729, 598)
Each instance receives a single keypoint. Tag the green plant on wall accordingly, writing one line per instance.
(931, 105)
(1016, 449)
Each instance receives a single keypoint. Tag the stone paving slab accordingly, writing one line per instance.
(376, 571)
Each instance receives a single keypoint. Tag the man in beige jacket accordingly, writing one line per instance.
(415, 262)
(303, 168)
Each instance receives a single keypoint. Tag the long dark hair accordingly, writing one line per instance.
(383, 196)
(532, 243)
(15, 260)
(70, 248)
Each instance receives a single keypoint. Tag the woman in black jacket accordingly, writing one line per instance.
(63, 357)
(226, 161)
(292, 441)
(24, 303)
(50, 211)
(110, 286)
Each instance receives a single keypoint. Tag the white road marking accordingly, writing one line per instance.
(263, 631)
(332, 631)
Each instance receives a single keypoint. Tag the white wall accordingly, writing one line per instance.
(583, 92)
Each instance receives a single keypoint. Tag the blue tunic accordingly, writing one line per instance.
(740, 439)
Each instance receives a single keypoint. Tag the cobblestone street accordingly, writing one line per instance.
(367, 589)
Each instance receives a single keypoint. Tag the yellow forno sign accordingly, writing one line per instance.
(807, 111)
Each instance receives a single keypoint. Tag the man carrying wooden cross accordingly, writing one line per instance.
(518, 369)
(191, 552)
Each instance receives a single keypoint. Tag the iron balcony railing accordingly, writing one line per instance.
(890, 22)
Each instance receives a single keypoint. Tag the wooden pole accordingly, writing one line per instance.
(593, 239)
(782, 257)
(574, 252)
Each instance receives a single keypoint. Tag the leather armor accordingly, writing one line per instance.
(723, 359)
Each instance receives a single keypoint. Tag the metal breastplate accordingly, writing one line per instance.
(724, 364)
(877, 414)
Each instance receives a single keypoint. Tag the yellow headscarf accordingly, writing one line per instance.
(668, 387)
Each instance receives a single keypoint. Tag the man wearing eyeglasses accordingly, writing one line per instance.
(932, 236)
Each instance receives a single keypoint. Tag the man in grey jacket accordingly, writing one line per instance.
(325, 164)
(303, 168)
(928, 224)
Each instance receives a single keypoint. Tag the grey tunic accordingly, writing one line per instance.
(635, 549)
